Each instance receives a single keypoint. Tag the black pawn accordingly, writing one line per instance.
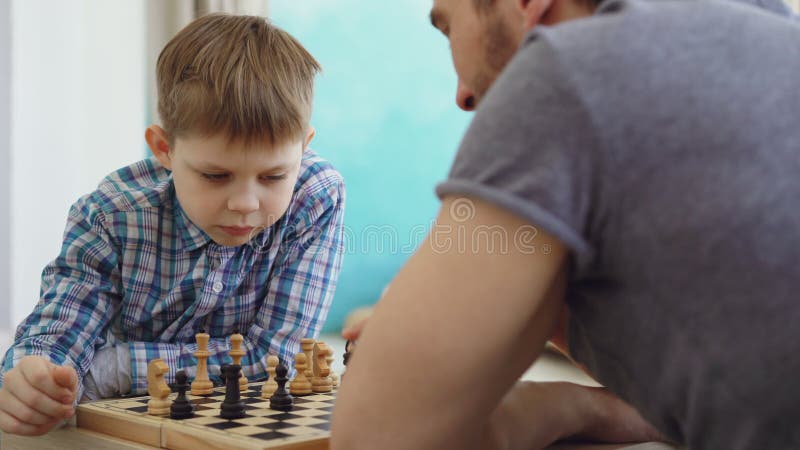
(233, 406)
(348, 351)
(281, 400)
(181, 408)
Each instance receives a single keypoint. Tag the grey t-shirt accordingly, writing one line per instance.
(660, 141)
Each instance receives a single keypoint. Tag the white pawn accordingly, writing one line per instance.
(300, 385)
(270, 386)
(334, 376)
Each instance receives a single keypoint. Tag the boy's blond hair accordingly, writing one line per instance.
(239, 75)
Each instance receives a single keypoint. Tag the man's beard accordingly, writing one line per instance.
(498, 50)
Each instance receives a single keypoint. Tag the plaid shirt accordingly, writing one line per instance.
(133, 268)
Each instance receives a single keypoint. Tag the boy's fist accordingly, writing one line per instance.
(36, 396)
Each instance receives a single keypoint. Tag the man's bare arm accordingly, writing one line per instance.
(455, 331)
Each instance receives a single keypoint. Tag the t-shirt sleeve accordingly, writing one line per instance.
(530, 148)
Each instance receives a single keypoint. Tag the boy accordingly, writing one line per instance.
(636, 162)
(234, 225)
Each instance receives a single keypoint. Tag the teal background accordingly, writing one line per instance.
(385, 116)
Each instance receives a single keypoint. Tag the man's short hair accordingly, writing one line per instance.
(239, 75)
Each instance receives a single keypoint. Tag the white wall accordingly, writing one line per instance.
(5, 159)
(78, 102)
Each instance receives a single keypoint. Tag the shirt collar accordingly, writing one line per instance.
(193, 237)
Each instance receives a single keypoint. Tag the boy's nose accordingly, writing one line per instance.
(465, 99)
(243, 202)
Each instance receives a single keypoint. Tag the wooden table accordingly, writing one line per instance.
(549, 367)
(71, 438)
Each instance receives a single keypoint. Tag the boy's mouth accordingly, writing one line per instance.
(237, 231)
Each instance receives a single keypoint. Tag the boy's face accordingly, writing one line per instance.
(231, 192)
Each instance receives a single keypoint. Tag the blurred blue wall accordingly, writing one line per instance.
(386, 118)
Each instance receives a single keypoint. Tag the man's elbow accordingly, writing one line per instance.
(345, 434)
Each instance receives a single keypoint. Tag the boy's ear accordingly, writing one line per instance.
(311, 133)
(533, 11)
(157, 140)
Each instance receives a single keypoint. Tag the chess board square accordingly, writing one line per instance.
(247, 430)
(206, 411)
(251, 400)
(324, 426)
(280, 415)
(269, 435)
(261, 404)
(130, 404)
(318, 397)
(305, 421)
(204, 400)
(227, 425)
(256, 421)
(263, 412)
(311, 412)
(300, 431)
(204, 420)
(315, 405)
(282, 425)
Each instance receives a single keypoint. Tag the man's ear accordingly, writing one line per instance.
(311, 133)
(158, 142)
(533, 11)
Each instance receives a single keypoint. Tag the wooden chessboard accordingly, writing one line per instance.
(306, 427)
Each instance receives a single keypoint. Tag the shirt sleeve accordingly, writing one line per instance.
(299, 295)
(79, 295)
(530, 148)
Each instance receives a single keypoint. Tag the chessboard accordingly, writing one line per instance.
(305, 427)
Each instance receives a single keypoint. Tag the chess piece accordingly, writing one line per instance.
(202, 384)
(281, 400)
(307, 344)
(159, 403)
(301, 384)
(181, 408)
(270, 386)
(233, 406)
(333, 376)
(320, 381)
(236, 354)
(348, 350)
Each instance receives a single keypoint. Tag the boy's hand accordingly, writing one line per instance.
(36, 396)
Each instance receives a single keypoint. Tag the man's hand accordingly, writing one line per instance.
(355, 323)
(36, 396)
(534, 415)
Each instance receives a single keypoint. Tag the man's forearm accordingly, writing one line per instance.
(534, 415)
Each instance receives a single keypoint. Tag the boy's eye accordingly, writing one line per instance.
(215, 176)
(274, 177)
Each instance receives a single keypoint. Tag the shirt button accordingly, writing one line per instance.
(217, 287)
